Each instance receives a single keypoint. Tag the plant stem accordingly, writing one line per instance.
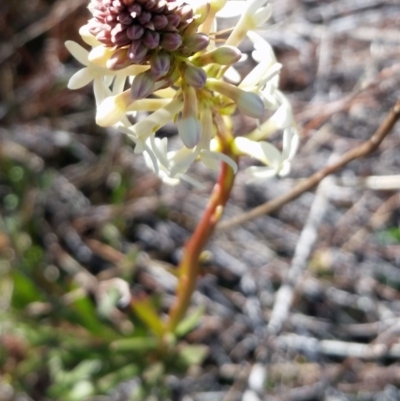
(189, 268)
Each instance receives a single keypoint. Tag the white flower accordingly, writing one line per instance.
(276, 162)
(187, 87)
(280, 120)
(102, 77)
(256, 13)
(87, 74)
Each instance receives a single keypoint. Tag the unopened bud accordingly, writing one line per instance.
(118, 60)
(224, 55)
(137, 52)
(196, 42)
(189, 126)
(159, 22)
(151, 39)
(135, 32)
(171, 41)
(160, 64)
(142, 85)
(189, 129)
(113, 109)
(248, 103)
(195, 76)
(185, 12)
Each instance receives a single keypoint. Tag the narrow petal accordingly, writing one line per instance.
(159, 118)
(290, 143)
(261, 172)
(181, 161)
(112, 109)
(80, 79)
(119, 84)
(192, 181)
(88, 37)
(159, 147)
(232, 9)
(100, 90)
(211, 156)
(262, 151)
(262, 15)
(150, 159)
(78, 52)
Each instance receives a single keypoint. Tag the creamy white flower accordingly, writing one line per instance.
(171, 166)
(193, 92)
(102, 77)
(87, 74)
(276, 162)
(257, 12)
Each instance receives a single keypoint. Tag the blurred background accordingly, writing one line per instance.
(84, 222)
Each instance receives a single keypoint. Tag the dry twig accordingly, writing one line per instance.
(304, 246)
(361, 151)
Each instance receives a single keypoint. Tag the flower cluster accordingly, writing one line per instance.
(165, 57)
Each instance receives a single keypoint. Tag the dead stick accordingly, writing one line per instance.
(360, 151)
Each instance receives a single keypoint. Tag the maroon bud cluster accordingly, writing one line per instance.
(141, 27)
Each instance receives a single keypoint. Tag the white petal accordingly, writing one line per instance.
(150, 159)
(262, 48)
(192, 181)
(271, 154)
(119, 84)
(100, 91)
(290, 143)
(265, 76)
(254, 5)
(168, 180)
(219, 157)
(208, 128)
(87, 36)
(108, 80)
(181, 161)
(282, 118)
(112, 109)
(261, 172)
(140, 147)
(232, 75)
(262, 151)
(232, 9)
(285, 168)
(208, 159)
(263, 15)
(78, 52)
(156, 120)
(80, 79)
(159, 147)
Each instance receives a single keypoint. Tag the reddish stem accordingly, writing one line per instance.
(189, 268)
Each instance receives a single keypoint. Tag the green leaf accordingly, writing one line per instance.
(145, 310)
(83, 312)
(138, 344)
(25, 291)
(192, 354)
(109, 381)
(190, 322)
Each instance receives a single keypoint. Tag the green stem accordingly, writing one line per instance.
(189, 268)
